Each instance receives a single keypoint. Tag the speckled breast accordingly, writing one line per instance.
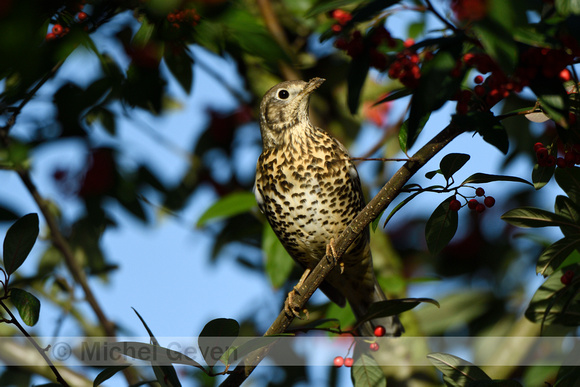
(308, 199)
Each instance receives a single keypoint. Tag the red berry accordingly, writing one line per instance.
(409, 42)
(560, 162)
(338, 361)
(380, 331)
(551, 161)
(479, 208)
(480, 191)
(454, 205)
(479, 90)
(342, 17)
(571, 118)
(171, 18)
(542, 155)
(538, 146)
(478, 79)
(472, 204)
(462, 108)
(50, 36)
(489, 201)
(374, 347)
(348, 362)
(567, 278)
(565, 75)
(82, 16)
(57, 29)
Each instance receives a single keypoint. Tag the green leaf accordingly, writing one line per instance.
(19, 240)
(279, 263)
(369, 10)
(180, 63)
(394, 95)
(458, 370)
(487, 125)
(535, 217)
(238, 350)
(441, 227)
(27, 305)
(567, 7)
(553, 99)
(151, 336)
(108, 373)
(166, 376)
(542, 175)
(404, 132)
(569, 180)
(155, 354)
(452, 163)
(393, 307)
(399, 206)
(357, 75)
(566, 207)
(555, 254)
(498, 43)
(216, 335)
(480, 178)
(555, 303)
(366, 372)
(436, 87)
(233, 204)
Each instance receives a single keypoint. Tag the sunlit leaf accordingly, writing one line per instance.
(279, 264)
(555, 254)
(227, 206)
(535, 217)
(366, 372)
(27, 305)
(460, 371)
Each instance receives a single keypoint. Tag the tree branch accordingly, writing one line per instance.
(372, 210)
(41, 351)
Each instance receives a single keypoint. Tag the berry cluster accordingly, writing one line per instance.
(567, 278)
(339, 361)
(341, 17)
(469, 10)
(406, 68)
(545, 159)
(474, 204)
(61, 27)
(187, 17)
(534, 62)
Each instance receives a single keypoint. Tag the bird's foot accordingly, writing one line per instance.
(292, 309)
(332, 256)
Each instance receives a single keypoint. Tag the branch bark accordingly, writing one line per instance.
(372, 210)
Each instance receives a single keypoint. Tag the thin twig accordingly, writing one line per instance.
(40, 350)
(439, 16)
(384, 159)
(373, 209)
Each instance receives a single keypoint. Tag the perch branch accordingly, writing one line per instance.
(373, 209)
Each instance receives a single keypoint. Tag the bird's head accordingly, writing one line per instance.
(285, 106)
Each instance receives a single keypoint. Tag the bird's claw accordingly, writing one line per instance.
(332, 256)
(292, 309)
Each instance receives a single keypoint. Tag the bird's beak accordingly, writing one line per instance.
(312, 85)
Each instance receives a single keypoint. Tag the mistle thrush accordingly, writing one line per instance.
(310, 191)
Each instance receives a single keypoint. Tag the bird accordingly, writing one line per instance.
(309, 190)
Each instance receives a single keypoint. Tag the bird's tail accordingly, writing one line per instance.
(392, 324)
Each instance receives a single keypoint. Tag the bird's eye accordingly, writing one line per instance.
(283, 94)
